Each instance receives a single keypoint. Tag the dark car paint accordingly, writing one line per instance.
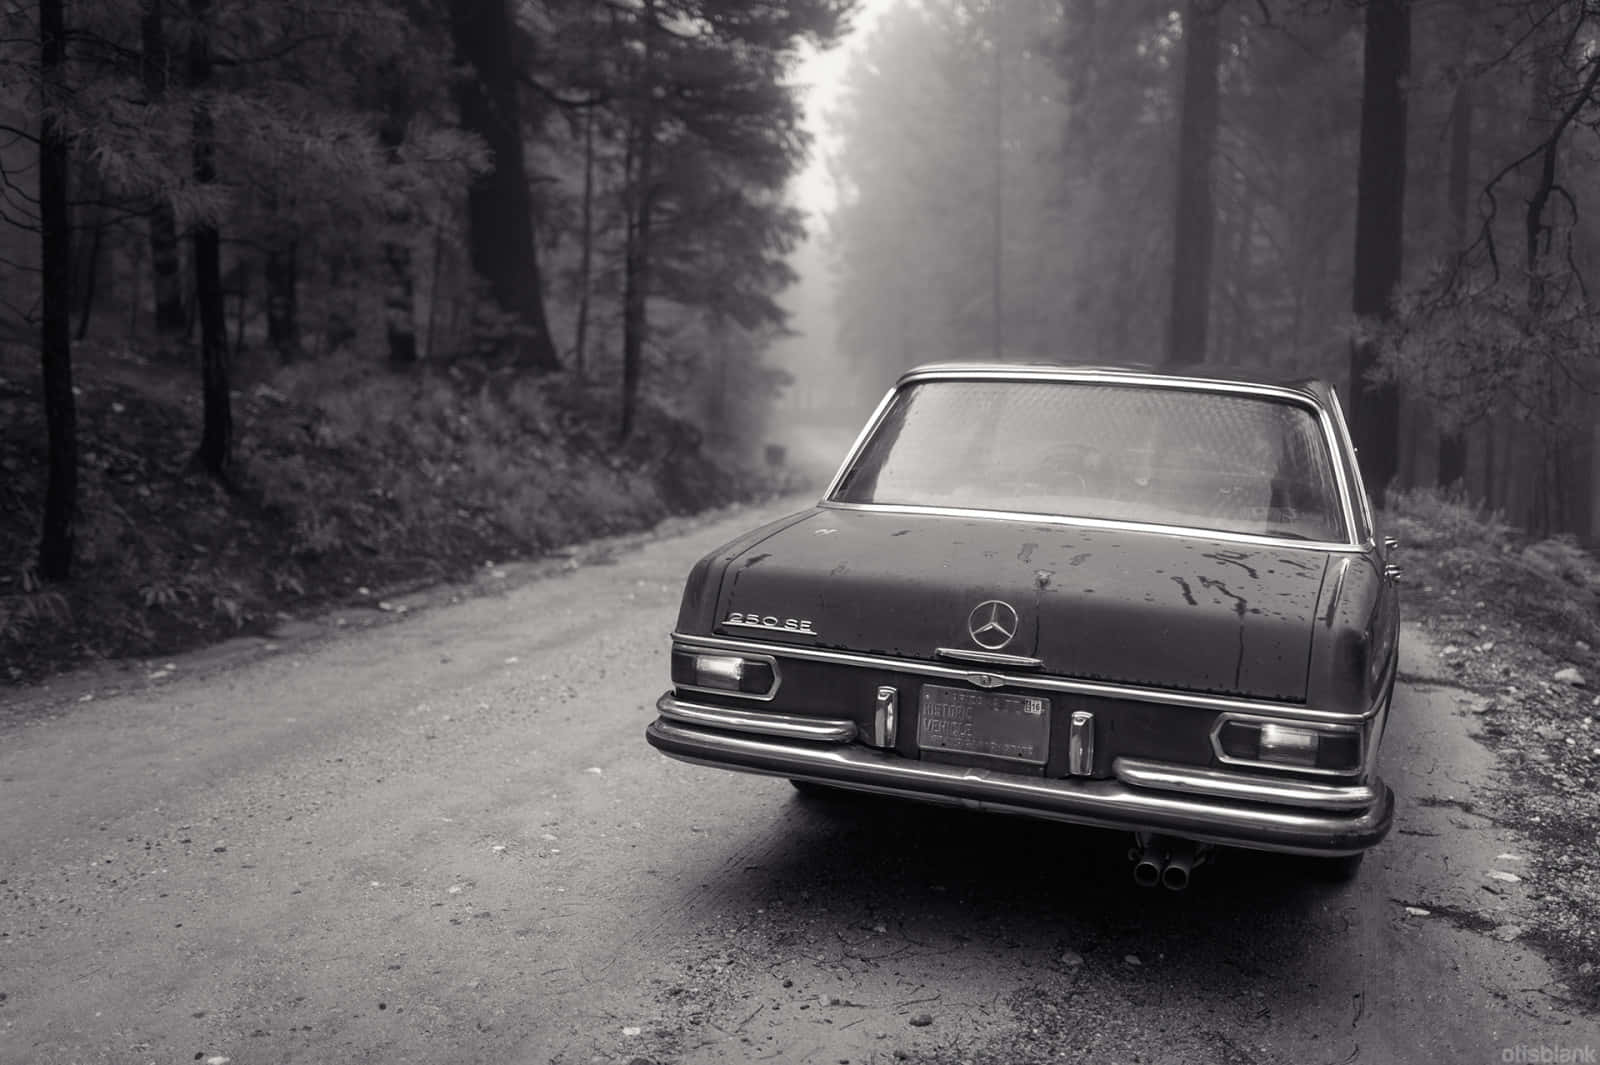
(1119, 605)
(1356, 633)
(697, 609)
(1156, 633)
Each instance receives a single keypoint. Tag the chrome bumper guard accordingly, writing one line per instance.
(785, 726)
(1205, 805)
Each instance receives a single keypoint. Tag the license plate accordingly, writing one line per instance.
(993, 724)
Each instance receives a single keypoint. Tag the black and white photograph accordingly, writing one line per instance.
(821, 532)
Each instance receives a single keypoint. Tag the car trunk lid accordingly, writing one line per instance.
(1122, 605)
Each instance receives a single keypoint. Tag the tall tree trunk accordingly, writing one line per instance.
(636, 283)
(580, 341)
(1491, 466)
(636, 270)
(1453, 444)
(1188, 318)
(399, 303)
(500, 212)
(136, 275)
(1557, 436)
(1380, 224)
(342, 325)
(1535, 232)
(55, 350)
(283, 300)
(1230, 336)
(166, 266)
(215, 454)
(399, 287)
(89, 275)
(164, 260)
(433, 285)
(997, 317)
(241, 274)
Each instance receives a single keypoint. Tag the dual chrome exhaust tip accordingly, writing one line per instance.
(1166, 860)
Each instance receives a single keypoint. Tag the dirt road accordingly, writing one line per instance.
(443, 839)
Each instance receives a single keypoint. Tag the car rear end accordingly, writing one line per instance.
(1063, 649)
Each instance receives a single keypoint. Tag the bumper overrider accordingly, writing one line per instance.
(1210, 806)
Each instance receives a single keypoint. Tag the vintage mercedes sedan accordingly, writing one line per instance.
(1113, 597)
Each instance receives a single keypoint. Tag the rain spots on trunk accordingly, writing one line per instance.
(1240, 604)
(1234, 558)
(1026, 554)
(1188, 593)
(1240, 607)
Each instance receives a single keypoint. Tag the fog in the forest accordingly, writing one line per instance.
(302, 251)
(1171, 184)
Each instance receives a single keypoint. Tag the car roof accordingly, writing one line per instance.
(1199, 375)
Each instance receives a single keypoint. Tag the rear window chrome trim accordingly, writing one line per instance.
(1182, 531)
(1277, 711)
(1335, 441)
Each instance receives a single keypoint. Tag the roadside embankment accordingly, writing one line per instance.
(351, 483)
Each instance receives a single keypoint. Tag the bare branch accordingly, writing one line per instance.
(225, 60)
(1534, 224)
(597, 99)
(20, 134)
(1511, 49)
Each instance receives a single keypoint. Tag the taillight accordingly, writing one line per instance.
(1331, 749)
(754, 676)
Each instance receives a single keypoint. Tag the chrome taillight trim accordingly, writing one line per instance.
(1220, 784)
(1316, 726)
(757, 656)
(1291, 712)
(764, 723)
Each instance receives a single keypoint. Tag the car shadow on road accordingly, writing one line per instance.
(934, 872)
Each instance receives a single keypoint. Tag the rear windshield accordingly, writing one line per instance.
(1166, 456)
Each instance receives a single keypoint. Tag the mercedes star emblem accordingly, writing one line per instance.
(992, 624)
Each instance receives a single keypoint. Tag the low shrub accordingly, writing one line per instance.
(347, 476)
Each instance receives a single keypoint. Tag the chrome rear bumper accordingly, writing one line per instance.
(1212, 807)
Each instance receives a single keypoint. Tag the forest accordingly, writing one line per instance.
(305, 295)
(1399, 197)
(300, 299)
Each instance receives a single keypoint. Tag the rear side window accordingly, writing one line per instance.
(1165, 456)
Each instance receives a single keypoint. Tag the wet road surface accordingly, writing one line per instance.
(443, 839)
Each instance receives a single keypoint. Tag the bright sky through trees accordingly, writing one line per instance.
(821, 75)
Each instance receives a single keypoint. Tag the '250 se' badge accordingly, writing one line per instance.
(767, 621)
